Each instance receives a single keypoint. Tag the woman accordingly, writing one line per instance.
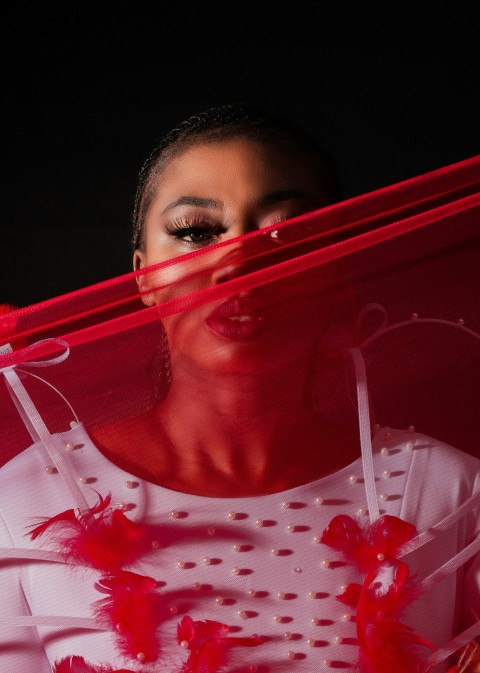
(222, 520)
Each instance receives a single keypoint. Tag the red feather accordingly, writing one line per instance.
(386, 645)
(393, 648)
(75, 664)
(351, 595)
(132, 611)
(102, 538)
(362, 546)
(67, 518)
(209, 644)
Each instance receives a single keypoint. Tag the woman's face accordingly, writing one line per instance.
(213, 193)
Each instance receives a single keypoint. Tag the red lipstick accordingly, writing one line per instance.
(237, 319)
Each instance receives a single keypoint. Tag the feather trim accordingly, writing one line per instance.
(385, 644)
(101, 537)
(209, 643)
(132, 611)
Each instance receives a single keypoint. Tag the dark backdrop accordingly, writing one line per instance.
(84, 101)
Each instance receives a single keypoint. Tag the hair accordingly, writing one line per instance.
(224, 122)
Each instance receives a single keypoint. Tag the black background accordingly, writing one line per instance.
(85, 98)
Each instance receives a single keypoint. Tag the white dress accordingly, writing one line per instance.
(254, 563)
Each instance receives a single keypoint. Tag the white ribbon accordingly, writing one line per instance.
(53, 620)
(30, 414)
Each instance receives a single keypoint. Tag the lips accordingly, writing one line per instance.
(237, 319)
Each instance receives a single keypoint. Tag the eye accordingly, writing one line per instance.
(195, 232)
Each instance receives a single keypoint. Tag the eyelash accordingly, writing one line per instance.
(180, 228)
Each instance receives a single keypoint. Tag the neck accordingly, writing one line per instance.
(234, 436)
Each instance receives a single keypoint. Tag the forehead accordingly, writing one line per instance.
(224, 165)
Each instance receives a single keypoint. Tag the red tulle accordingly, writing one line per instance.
(102, 538)
(209, 643)
(75, 664)
(132, 612)
(386, 645)
(8, 327)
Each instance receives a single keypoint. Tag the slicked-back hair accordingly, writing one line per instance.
(226, 122)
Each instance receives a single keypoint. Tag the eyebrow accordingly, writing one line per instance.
(269, 199)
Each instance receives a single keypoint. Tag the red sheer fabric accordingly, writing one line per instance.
(352, 331)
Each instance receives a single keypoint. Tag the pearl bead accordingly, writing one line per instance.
(175, 515)
(69, 446)
(347, 618)
(278, 618)
(141, 656)
(207, 560)
(319, 500)
(252, 593)
(286, 504)
(327, 662)
(411, 428)
(154, 544)
(384, 451)
(233, 515)
(387, 474)
(383, 496)
(211, 530)
(414, 316)
(83, 480)
(237, 547)
(353, 479)
(290, 654)
(288, 635)
(297, 569)
(311, 642)
(291, 528)
(461, 322)
(361, 511)
(219, 600)
(338, 639)
(197, 586)
(387, 436)
(317, 538)
(315, 621)
(325, 563)
(73, 424)
(243, 614)
(184, 644)
(49, 469)
(381, 557)
(410, 446)
(236, 571)
(182, 564)
(173, 609)
(130, 484)
(282, 595)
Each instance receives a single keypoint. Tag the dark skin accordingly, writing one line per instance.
(231, 439)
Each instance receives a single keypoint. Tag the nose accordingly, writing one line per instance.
(231, 265)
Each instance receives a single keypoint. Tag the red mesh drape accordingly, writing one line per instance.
(280, 313)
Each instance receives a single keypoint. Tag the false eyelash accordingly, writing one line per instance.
(181, 224)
